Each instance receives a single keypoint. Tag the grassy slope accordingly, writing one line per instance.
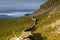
(18, 24)
(42, 29)
(7, 26)
(43, 32)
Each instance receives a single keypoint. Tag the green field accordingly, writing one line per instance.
(9, 26)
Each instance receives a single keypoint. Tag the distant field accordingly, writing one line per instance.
(16, 25)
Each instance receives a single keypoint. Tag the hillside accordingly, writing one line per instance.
(47, 6)
(50, 3)
(48, 23)
(48, 26)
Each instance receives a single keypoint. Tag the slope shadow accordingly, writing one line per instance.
(38, 36)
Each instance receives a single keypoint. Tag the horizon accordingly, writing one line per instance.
(13, 6)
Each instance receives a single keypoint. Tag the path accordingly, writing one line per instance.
(27, 34)
(33, 26)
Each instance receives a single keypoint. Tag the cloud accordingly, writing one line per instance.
(17, 14)
(20, 4)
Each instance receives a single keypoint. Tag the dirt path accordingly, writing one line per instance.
(27, 32)
(33, 26)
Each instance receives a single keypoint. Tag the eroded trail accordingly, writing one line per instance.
(27, 34)
(33, 26)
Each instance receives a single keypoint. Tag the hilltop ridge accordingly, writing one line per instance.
(47, 6)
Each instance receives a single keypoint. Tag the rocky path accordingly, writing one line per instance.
(27, 34)
(33, 26)
(26, 29)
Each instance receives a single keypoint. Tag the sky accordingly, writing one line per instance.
(20, 4)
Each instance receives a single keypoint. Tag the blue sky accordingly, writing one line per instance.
(18, 5)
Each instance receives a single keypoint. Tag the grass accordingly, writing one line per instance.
(42, 32)
(45, 30)
(16, 25)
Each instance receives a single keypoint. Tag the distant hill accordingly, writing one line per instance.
(16, 10)
(47, 6)
(5, 16)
